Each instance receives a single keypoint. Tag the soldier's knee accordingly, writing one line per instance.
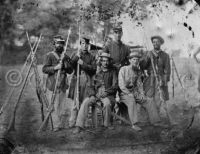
(106, 102)
(86, 101)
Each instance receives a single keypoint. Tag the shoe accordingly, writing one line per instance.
(136, 128)
(77, 130)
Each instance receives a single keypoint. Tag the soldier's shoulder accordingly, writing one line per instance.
(123, 68)
(125, 45)
(165, 54)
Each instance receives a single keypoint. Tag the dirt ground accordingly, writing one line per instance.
(122, 139)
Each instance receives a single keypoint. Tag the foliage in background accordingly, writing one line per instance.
(52, 17)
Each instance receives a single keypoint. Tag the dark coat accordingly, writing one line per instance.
(87, 70)
(51, 60)
(119, 53)
(109, 80)
(163, 69)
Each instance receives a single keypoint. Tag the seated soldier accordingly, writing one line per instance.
(130, 85)
(131, 91)
(105, 86)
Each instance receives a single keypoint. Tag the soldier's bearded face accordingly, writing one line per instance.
(84, 45)
(104, 62)
(59, 46)
(134, 61)
(118, 35)
(156, 43)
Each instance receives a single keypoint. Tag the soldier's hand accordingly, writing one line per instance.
(161, 83)
(93, 99)
(80, 62)
(58, 67)
(78, 54)
(103, 95)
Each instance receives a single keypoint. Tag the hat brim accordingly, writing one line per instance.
(105, 57)
(158, 37)
(130, 57)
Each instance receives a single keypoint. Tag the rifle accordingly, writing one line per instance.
(41, 94)
(172, 78)
(76, 102)
(157, 78)
(113, 114)
(177, 74)
(98, 99)
(39, 89)
(11, 91)
(159, 88)
(11, 125)
(51, 106)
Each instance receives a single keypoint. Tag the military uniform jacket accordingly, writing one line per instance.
(87, 71)
(51, 60)
(107, 79)
(119, 53)
(162, 66)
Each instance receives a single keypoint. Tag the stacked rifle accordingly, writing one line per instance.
(31, 57)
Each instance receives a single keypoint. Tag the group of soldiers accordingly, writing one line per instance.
(136, 78)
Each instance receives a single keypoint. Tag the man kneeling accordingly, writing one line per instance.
(105, 87)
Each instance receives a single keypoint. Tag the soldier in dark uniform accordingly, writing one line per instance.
(87, 70)
(157, 62)
(51, 66)
(119, 51)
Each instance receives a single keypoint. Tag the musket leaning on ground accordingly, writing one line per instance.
(113, 114)
(177, 74)
(39, 88)
(157, 78)
(51, 106)
(40, 91)
(158, 83)
(11, 125)
(76, 104)
(11, 91)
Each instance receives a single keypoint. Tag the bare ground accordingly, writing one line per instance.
(120, 140)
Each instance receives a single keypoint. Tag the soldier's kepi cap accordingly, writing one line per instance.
(104, 54)
(134, 54)
(157, 37)
(58, 38)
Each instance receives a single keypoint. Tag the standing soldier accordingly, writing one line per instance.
(157, 65)
(119, 52)
(87, 70)
(105, 85)
(51, 66)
